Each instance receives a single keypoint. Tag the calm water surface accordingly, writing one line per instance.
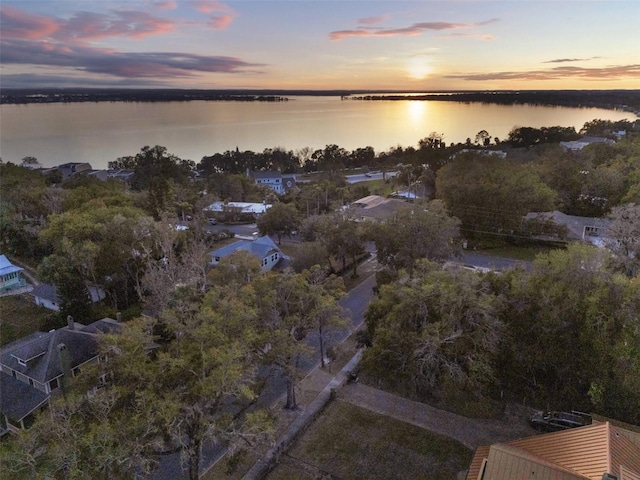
(101, 132)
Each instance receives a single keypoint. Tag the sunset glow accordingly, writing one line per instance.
(321, 45)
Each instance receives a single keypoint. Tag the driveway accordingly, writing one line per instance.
(470, 432)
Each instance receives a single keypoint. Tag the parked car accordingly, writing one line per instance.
(555, 421)
(213, 221)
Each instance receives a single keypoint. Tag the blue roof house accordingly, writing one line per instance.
(262, 247)
(10, 275)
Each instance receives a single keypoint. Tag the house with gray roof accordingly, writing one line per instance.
(262, 247)
(277, 181)
(46, 296)
(33, 368)
(10, 275)
(586, 229)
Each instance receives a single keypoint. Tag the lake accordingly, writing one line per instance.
(101, 132)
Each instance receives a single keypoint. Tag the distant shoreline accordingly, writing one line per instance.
(625, 100)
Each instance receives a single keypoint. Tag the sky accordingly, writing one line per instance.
(321, 45)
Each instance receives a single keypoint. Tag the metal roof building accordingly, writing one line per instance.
(585, 453)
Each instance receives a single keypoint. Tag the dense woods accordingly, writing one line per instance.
(561, 334)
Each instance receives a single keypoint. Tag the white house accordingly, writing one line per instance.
(579, 144)
(278, 182)
(46, 296)
(262, 247)
(240, 207)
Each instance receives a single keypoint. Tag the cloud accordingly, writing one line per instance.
(165, 5)
(30, 80)
(91, 26)
(473, 35)
(614, 72)
(222, 16)
(220, 22)
(415, 29)
(18, 24)
(567, 60)
(120, 64)
(372, 20)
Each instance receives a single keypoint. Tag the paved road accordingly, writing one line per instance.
(367, 177)
(493, 263)
(355, 304)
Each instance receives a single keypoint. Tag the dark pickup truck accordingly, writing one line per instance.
(555, 421)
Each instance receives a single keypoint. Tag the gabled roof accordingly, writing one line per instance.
(40, 353)
(266, 175)
(39, 350)
(50, 292)
(260, 247)
(578, 453)
(6, 267)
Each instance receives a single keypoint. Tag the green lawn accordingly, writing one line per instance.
(351, 442)
(19, 317)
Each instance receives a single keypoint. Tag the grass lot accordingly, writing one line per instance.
(526, 253)
(351, 442)
(20, 317)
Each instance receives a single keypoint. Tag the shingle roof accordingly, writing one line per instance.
(19, 399)
(39, 352)
(259, 247)
(46, 291)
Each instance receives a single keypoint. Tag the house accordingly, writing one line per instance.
(262, 247)
(586, 229)
(69, 169)
(278, 182)
(240, 207)
(46, 296)
(579, 144)
(10, 275)
(33, 369)
(375, 207)
(599, 451)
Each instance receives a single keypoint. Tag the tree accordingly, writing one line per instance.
(483, 138)
(342, 239)
(623, 238)
(573, 308)
(432, 328)
(321, 304)
(420, 231)
(208, 367)
(491, 195)
(280, 220)
(110, 433)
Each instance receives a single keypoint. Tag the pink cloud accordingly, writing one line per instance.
(613, 72)
(473, 35)
(372, 20)
(90, 26)
(120, 64)
(415, 29)
(223, 15)
(221, 22)
(18, 24)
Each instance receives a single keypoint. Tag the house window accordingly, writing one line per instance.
(53, 384)
(31, 382)
(13, 374)
(22, 362)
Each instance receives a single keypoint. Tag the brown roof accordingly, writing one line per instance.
(579, 453)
